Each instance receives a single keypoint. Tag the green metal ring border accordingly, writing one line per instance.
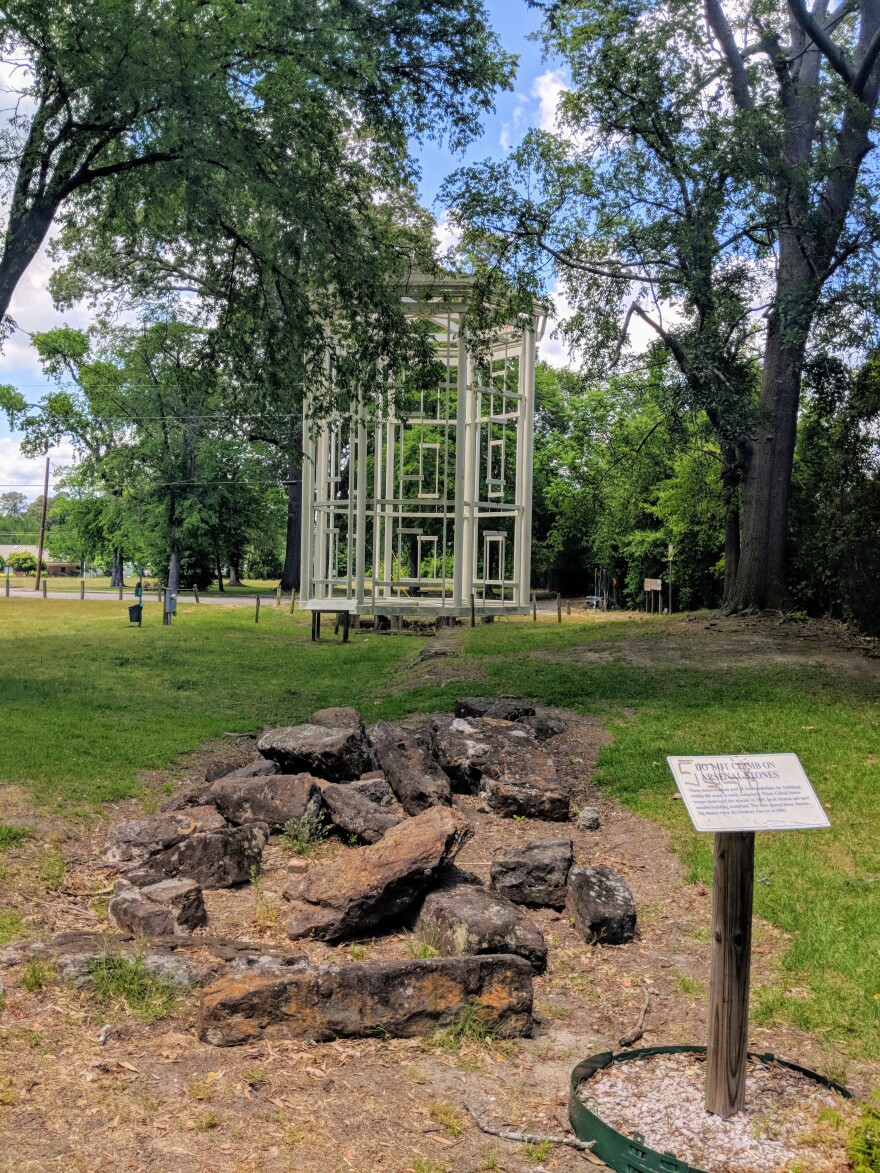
(629, 1154)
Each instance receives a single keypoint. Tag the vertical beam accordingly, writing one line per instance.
(458, 575)
(361, 479)
(470, 481)
(307, 513)
(42, 527)
(528, 429)
(387, 548)
(377, 495)
(729, 981)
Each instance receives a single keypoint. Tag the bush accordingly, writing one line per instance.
(24, 562)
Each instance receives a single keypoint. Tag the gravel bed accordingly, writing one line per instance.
(662, 1099)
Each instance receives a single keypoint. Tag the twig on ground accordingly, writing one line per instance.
(528, 1137)
(636, 1034)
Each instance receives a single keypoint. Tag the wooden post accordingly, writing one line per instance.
(82, 588)
(121, 588)
(196, 593)
(257, 611)
(473, 611)
(568, 608)
(7, 584)
(42, 529)
(346, 620)
(45, 576)
(318, 625)
(729, 980)
(534, 607)
(292, 602)
(278, 596)
(559, 608)
(313, 627)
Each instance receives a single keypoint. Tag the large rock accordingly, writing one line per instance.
(520, 779)
(400, 999)
(503, 708)
(258, 768)
(171, 908)
(354, 813)
(214, 859)
(274, 800)
(467, 919)
(131, 843)
(535, 875)
(413, 775)
(601, 904)
(350, 895)
(338, 718)
(337, 753)
(462, 747)
(545, 722)
(373, 786)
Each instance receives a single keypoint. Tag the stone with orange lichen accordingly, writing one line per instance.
(351, 894)
(401, 999)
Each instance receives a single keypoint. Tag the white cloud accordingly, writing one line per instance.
(547, 88)
(26, 474)
(552, 348)
(446, 236)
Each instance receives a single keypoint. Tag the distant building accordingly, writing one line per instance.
(55, 567)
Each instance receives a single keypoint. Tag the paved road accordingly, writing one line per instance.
(129, 597)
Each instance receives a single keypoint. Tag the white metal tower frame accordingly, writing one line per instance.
(421, 498)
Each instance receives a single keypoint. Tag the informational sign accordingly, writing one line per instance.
(653, 584)
(748, 792)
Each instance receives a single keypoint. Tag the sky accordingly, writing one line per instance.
(531, 103)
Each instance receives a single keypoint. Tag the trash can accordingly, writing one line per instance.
(135, 613)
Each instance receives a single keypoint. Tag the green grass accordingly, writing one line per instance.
(9, 835)
(126, 981)
(249, 586)
(11, 926)
(87, 701)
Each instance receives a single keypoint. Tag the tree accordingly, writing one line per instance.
(12, 504)
(24, 562)
(711, 182)
(195, 97)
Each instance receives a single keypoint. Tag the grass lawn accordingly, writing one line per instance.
(86, 702)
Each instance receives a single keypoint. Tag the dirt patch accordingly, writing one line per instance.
(692, 641)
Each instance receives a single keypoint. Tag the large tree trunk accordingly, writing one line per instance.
(174, 569)
(761, 575)
(291, 574)
(234, 576)
(117, 569)
(220, 586)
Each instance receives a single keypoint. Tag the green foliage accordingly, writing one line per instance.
(863, 1145)
(10, 835)
(23, 561)
(11, 925)
(305, 835)
(835, 540)
(126, 981)
(36, 975)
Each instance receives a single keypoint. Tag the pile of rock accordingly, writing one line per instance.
(390, 788)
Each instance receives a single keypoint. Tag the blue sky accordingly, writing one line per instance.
(530, 104)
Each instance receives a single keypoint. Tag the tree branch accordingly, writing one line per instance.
(739, 82)
(866, 66)
(822, 41)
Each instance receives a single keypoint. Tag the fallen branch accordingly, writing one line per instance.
(636, 1034)
(583, 1146)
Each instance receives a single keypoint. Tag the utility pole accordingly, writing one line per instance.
(670, 551)
(42, 526)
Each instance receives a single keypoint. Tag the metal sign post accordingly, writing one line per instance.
(732, 797)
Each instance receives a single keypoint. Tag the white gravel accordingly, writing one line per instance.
(662, 1099)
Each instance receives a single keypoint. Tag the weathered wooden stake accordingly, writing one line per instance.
(729, 981)
(292, 602)
(559, 608)
(278, 596)
(121, 589)
(44, 585)
(7, 584)
(82, 588)
(196, 593)
(473, 612)
(534, 607)
(257, 611)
